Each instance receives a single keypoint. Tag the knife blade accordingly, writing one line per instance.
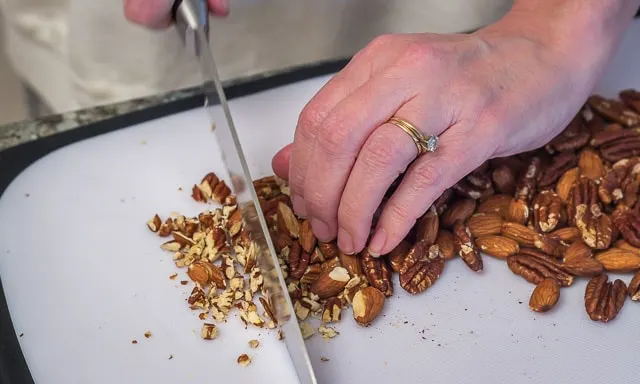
(191, 18)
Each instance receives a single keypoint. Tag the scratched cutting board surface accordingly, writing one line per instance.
(84, 277)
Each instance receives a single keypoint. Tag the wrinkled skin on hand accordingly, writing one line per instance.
(156, 14)
(496, 92)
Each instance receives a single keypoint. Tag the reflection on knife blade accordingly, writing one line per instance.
(189, 14)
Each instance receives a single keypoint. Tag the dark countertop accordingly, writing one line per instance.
(23, 131)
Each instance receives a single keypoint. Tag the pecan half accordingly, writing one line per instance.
(534, 266)
(528, 182)
(465, 247)
(397, 255)
(627, 222)
(585, 212)
(547, 211)
(631, 98)
(621, 182)
(421, 268)
(617, 144)
(560, 164)
(614, 110)
(442, 202)
(377, 272)
(574, 137)
(634, 287)
(603, 300)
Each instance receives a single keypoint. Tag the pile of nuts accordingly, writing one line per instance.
(567, 210)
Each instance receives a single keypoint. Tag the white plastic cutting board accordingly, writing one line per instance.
(84, 277)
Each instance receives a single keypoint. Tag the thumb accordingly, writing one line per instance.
(280, 162)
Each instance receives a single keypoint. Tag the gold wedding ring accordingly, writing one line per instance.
(423, 143)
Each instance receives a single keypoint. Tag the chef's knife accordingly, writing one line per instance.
(191, 18)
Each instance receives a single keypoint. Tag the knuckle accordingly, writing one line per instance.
(310, 118)
(379, 153)
(426, 175)
(333, 138)
(380, 42)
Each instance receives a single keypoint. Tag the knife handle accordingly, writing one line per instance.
(192, 21)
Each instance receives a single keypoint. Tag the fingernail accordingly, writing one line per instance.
(321, 229)
(377, 242)
(298, 206)
(345, 243)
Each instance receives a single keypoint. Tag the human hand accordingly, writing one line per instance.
(157, 13)
(503, 90)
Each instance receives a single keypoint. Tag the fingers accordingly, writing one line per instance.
(338, 142)
(219, 7)
(150, 13)
(385, 155)
(311, 118)
(461, 150)
(156, 14)
(280, 162)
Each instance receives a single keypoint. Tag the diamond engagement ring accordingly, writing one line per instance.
(423, 143)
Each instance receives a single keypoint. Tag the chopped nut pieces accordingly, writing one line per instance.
(327, 332)
(244, 360)
(209, 331)
(254, 344)
(147, 334)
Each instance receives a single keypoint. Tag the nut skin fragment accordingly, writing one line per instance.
(465, 247)
(421, 268)
(377, 271)
(497, 246)
(367, 304)
(545, 295)
(604, 299)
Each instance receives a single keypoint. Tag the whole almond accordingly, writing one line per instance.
(622, 244)
(545, 295)
(445, 244)
(577, 251)
(497, 246)
(565, 183)
(461, 210)
(518, 211)
(351, 263)
(590, 164)
(619, 260)
(330, 282)
(496, 204)
(483, 224)
(525, 236)
(568, 234)
(367, 304)
(427, 227)
(307, 238)
(287, 220)
(398, 254)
